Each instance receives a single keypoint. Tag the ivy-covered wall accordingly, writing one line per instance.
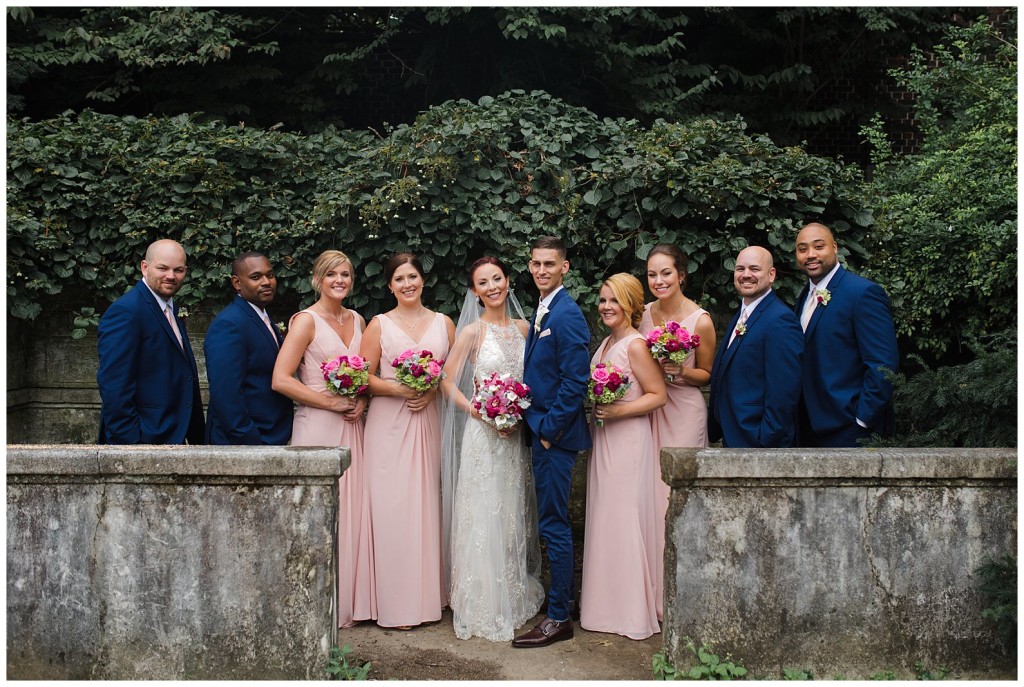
(87, 193)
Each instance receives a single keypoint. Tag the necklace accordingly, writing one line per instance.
(411, 325)
(661, 311)
(340, 318)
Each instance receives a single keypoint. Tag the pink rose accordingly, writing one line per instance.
(433, 368)
(600, 374)
(356, 362)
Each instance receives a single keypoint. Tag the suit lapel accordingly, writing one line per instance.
(833, 285)
(533, 334)
(257, 321)
(154, 308)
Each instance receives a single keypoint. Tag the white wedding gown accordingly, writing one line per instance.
(495, 555)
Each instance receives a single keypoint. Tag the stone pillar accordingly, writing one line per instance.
(171, 562)
(846, 561)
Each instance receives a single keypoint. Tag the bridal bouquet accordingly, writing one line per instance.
(671, 342)
(607, 385)
(418, 370)
(346, 375)
(501, 400)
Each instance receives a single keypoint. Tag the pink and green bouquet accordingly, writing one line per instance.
(346, 375)
(418, 370)
(608, 384)
(671, 342)
(501, 400)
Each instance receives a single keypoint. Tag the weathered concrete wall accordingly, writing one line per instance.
(170, 562)
(849, 561)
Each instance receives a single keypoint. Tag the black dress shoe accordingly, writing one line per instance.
(546, 632)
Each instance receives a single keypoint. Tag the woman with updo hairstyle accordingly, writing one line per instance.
(620, 549)
(403, 453)
(322, 332)
(683, 421)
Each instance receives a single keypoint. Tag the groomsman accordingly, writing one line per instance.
(147, 375)
(755, 382)
(241, 348)
(556, 368)
(849, 341)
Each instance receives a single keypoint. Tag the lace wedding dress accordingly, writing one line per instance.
(495, 586)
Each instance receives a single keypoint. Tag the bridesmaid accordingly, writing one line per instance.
(620, 553)
(683, 421)
(403, 449)
(317, 334)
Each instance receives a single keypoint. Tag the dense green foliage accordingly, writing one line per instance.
(998, 583)
(972, 404)
(310, 66)
(88, 192)
(946, 235)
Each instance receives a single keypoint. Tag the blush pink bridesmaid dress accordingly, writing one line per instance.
(403, 459)
(681, 422)
(620, 552)
(319, 427)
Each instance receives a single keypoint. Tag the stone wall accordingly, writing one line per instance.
(171, 562)
(850, 561)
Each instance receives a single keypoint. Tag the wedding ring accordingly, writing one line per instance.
(670, 378)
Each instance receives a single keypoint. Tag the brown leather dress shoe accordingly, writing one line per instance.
(546, 632)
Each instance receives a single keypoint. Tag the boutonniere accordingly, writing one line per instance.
(823, 296)
(281, 328)
(183, 313)
(741, 329)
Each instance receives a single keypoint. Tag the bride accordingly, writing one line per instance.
(489, 516)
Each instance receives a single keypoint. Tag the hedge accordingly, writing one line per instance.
(87, 192)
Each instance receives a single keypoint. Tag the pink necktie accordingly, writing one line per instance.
(174, 326)
(266, 320)
(805, 317)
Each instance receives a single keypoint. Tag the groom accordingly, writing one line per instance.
(556, 368)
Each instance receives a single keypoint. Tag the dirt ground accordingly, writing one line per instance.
(432, 652)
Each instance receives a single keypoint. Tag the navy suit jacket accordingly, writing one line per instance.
(557, 370)
(848, 343)
(755, 383)
(240, 356)
(149, 385)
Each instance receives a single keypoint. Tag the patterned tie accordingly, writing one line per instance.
(266, 320)
(174, 325)
(809, 306)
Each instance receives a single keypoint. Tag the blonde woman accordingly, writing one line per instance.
(317, 334)
(620, 549)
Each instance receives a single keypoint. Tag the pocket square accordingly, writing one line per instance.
(544, 333)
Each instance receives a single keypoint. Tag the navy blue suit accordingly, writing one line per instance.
(848, 343)
(557, 369)
(755, 382)
(149, 385)
(240, 356)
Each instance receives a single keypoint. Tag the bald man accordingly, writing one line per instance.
(849, 342)
(148, 379)
(755, 381)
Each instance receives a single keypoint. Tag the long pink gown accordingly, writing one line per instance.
(403, 451)
(620, 553)
(681, 422)
(319, 427)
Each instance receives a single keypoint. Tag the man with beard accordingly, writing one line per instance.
(241, 348)
(755, 381)
(147, 375)
(849, 342)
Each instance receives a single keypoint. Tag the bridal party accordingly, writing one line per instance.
(464, 428)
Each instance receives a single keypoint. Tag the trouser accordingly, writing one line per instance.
(552, 474)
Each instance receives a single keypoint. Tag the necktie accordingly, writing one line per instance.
(266, 321)
(809, 306)
(542, 310)
(174, 325)
(742, 321)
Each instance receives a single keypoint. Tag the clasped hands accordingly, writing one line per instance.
(351, 408)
